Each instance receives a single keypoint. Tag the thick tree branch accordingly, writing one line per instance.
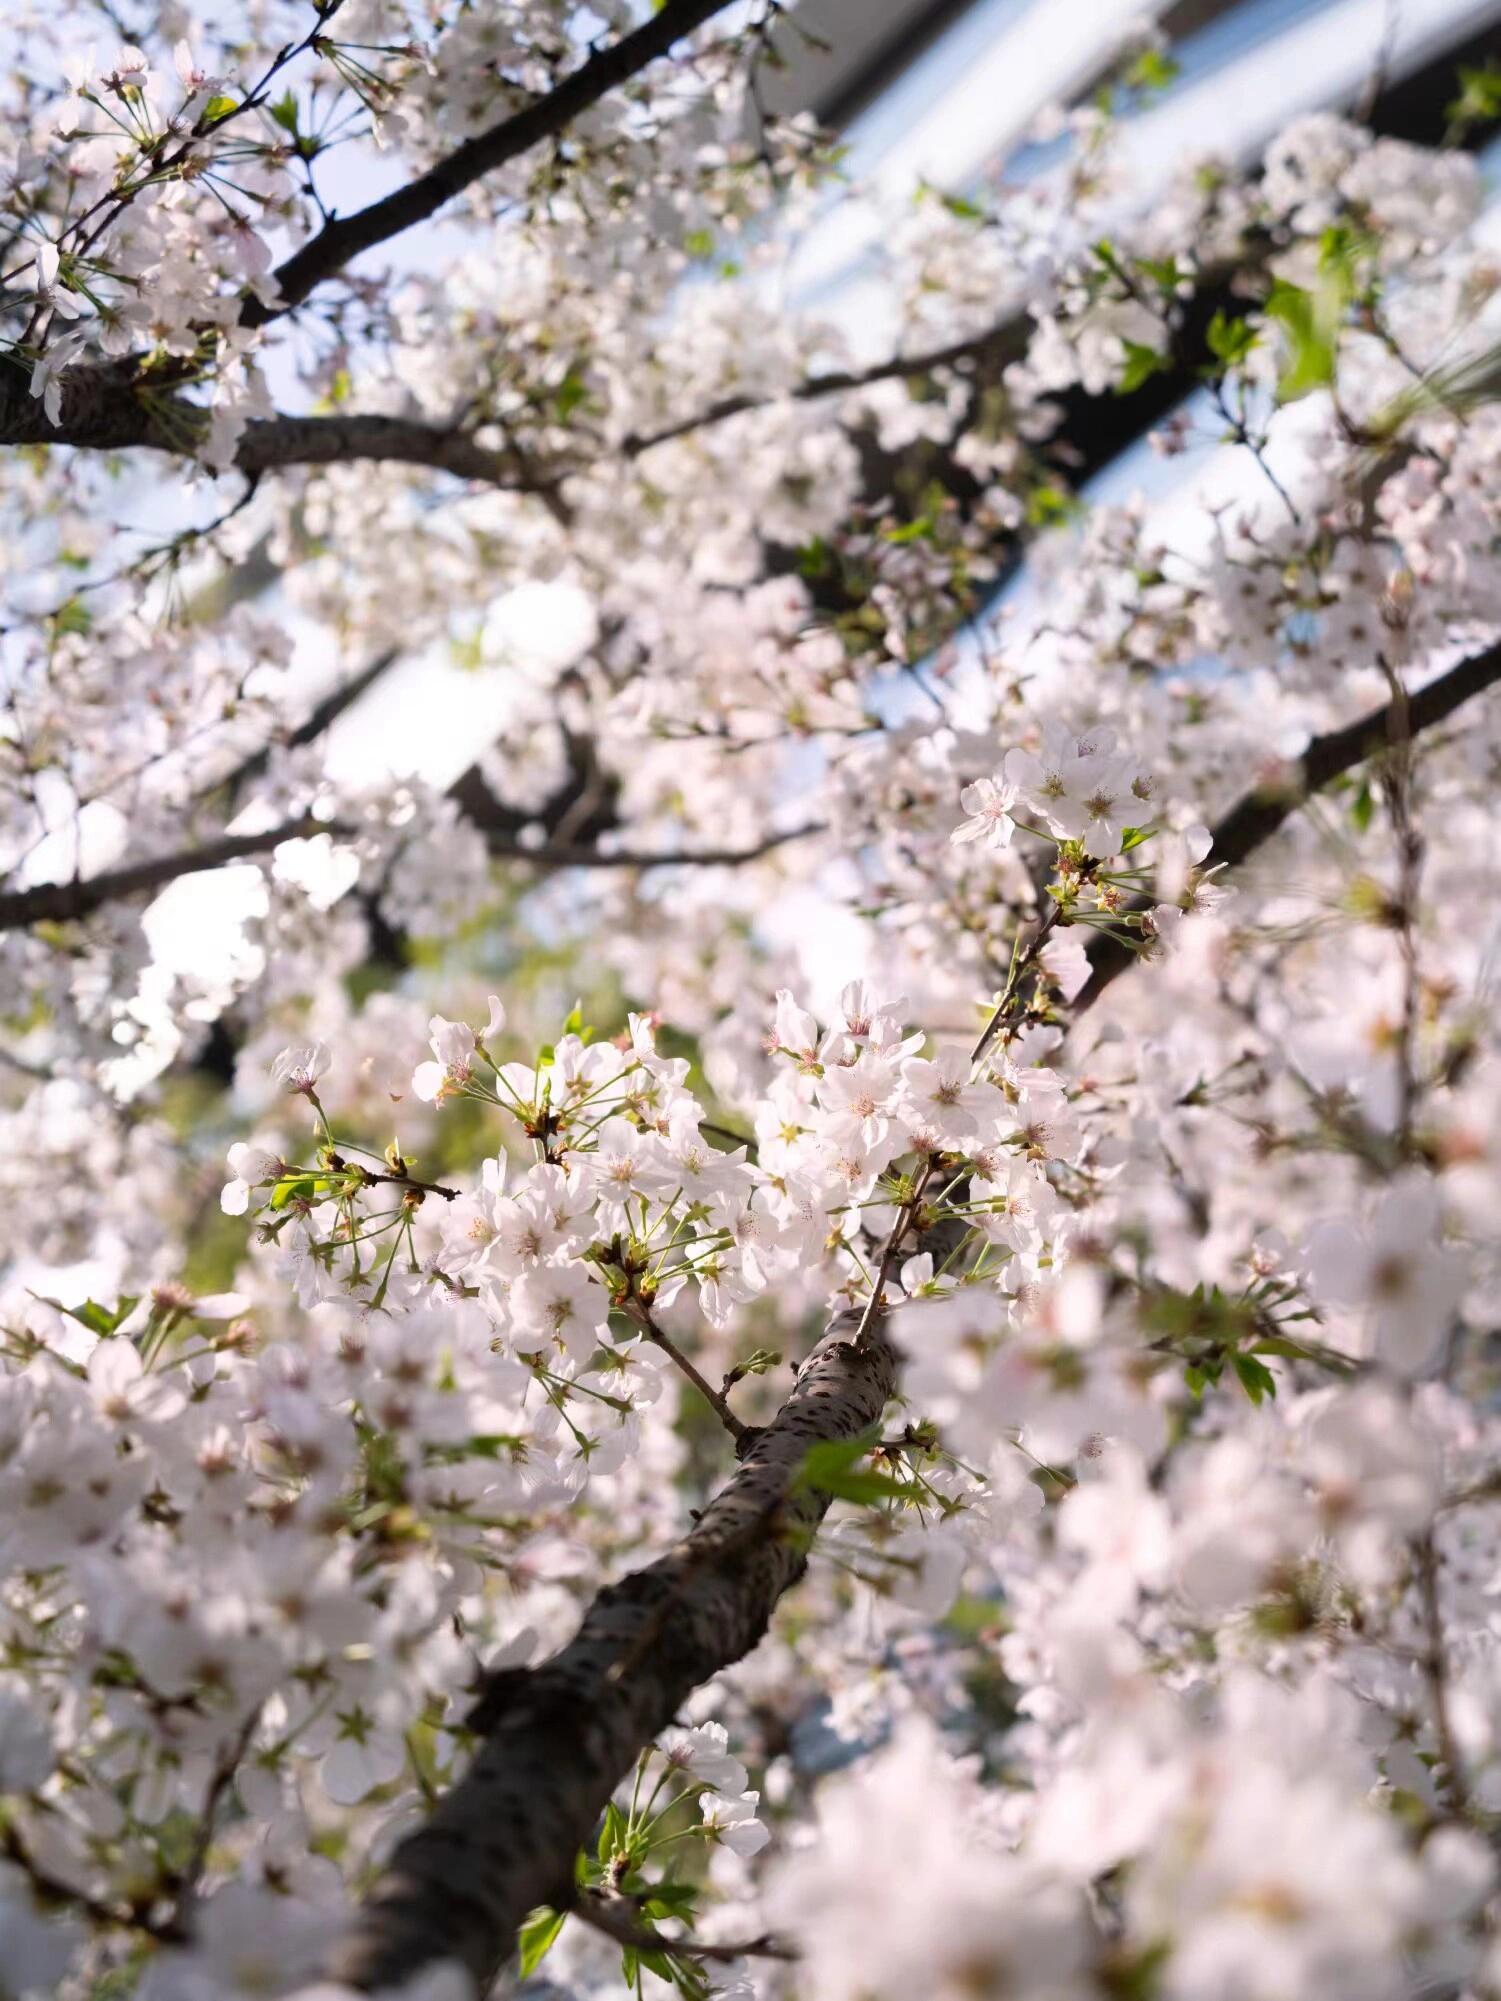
(1262, 811)
(101, 408)
(63, 902)
(345, 237)
(504, 1838)
(106, 408)
(273, 442)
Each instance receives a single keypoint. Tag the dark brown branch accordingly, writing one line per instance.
(638, 1311)
(346, 237)
(504, 1838)
(104, 408)
(612, 1916)
(556, 855)
(64, 902)
(998, 345)
(273, 442)
(101, 411)
(322, 716)
(1261, 813)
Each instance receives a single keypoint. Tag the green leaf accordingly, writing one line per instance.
(964, 209)
(910, 531)
(814, 559)
(657, 1963)
(1050, 507)
(1256, 1379)
(102, 1320)
(73, 616)
(1362, 807)
(831, 1468)
(1153, 69)
(1479, 99)
(612, 1841)
(1310, 327)
(538, 1931)
(1165, 273)
(699, 243)
(294, 1188)
(1142, 363)
(284, 112)
(568, 395)
(217, 108)
(670, 1900)
(1230, 338)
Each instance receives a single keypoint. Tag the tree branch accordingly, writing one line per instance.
(1000, 344)
(605, 70)
(1262, 811)
(1249, 824)
(322, 716)
(504, 1838)
(63, 902)
(272, 442)
(106, 407)
(560, 855)
(638, 1311)
(611, 1915)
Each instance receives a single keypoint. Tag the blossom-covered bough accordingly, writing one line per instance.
(908, 1405)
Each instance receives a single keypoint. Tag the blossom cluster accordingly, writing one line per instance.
(1149, 1647)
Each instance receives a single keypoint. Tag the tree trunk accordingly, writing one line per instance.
(560, 1737)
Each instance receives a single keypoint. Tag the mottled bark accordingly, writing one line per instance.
(560, 1737)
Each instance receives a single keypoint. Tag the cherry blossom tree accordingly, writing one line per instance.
(823, 1323)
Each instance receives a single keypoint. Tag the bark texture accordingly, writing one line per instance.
(560, 1737)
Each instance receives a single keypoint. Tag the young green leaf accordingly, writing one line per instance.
(538, 1932)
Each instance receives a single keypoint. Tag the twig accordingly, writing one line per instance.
(606, 1915)
(905, 1217)
(1007, 336)
(1399, 803)
(570, 856)
(1024, 965)
(408, 1181)
(728, 1132)
(1436, 1671)
(223, 1776)
(638, 1311)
